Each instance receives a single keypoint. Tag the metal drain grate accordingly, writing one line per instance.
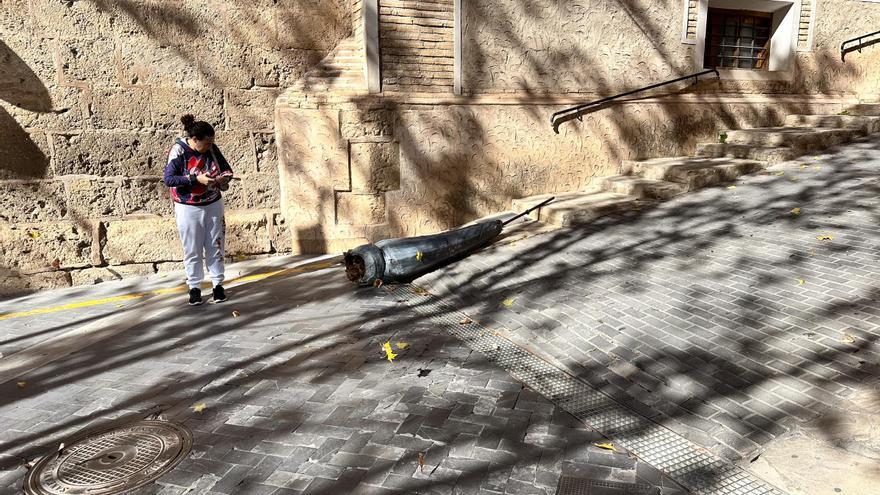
(695, 468)
(569, 485)
(111, 461)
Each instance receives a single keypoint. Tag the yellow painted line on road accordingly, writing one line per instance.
(159, 292)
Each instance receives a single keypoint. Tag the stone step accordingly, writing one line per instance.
(802, 139)
(769, 154)
(693, 172)
(639, 187)
(864, 109)
(867, 124)
(576, 208)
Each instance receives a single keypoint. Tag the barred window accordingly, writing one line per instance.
(738, 39)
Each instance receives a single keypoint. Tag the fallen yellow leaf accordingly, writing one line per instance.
(402, 345)
(508, 302)
(847, 338)
(466, 321)
(419, 256)
(420, 291)
(389, 353)
(236, 314)
(21, 384)
(779, 174)
(801, 281)
(200, 407)
(795, 211)
(731, 187)
(606, 446)
(34, 234)
(825, 237)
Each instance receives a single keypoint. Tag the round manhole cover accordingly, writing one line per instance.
(111, 461)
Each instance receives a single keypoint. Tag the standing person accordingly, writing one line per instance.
(196, 173)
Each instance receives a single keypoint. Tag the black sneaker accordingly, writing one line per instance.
(195, 296)
(219, 294)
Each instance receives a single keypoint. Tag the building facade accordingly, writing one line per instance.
(354, 120)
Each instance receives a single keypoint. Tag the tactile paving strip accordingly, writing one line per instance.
(696, 469)
(569, 485)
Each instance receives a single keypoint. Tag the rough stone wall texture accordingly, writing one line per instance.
(416, 41)
(364, 170)
(822, 71)
(607, 46)
(90, 96)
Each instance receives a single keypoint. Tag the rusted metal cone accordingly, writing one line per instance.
(404, 260)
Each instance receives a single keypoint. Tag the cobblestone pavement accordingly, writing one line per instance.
(299, 398)
(730, 316)
(738, 313)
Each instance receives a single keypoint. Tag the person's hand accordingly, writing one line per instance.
(224, 180)
(205, 180)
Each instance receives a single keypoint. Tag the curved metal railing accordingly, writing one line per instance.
(575, 112)
(858, 44)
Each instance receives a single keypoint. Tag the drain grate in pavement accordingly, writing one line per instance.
(693, 467)
(111, 461)
(569, 485)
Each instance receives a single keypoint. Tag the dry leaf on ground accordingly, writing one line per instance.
(21, 384)
(377, 283)
(420, 291)
(402, 345)
(421, 461)
(606, 446)
(389, 352)
(200, 407)
(34, 234)
(466, 321)
(825, 237)
(801, 281)
(779, 174)
(236, 314)
(508, 302)
(419, 256)
(847, 338)
(795, 211)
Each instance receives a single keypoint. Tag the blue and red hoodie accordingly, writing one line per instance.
(184, 164)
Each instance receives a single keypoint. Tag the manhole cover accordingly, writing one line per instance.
(111, 461)
(569, 485)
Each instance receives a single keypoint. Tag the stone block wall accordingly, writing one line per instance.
(91, 92)
(368, 168)
(416, 40)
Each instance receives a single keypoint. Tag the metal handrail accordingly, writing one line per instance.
(575, 112)
(859, 45)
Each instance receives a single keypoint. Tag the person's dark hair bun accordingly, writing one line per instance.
(188, 121)
(196, 129)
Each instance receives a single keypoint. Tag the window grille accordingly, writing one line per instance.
(737, 39)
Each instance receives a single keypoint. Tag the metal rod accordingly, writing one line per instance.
(621, 95)
(844, 49)
(545, 203)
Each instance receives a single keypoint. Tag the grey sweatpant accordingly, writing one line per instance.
(202, 232)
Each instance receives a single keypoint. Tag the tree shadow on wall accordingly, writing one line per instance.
(20, 156)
